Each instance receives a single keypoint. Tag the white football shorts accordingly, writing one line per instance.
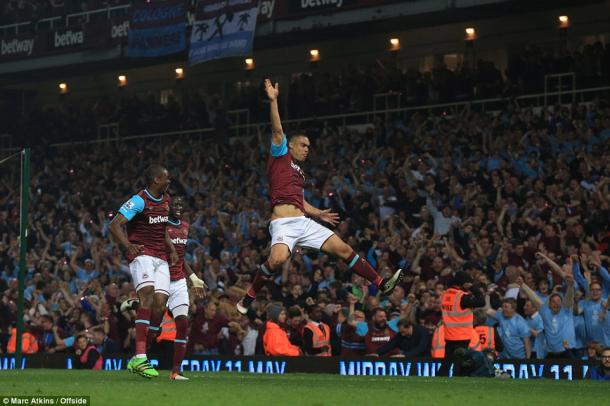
(301, 231)
(178, 301)
(150, 271)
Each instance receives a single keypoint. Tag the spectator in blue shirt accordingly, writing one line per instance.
(591, 309)
(536, 326)
(86, 274)
(513, 330)
(557, 318)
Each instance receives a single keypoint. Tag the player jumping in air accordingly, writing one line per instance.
(146, 244)
(178, 299)
(292, 217)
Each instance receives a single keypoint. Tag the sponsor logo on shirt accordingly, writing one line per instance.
(380, 339)
(179, 240)
(297, 168)
(158, 219)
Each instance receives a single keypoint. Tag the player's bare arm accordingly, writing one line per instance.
(173, 255)
(199, 286)
(326, 216)
(276, 124)
(118, 232)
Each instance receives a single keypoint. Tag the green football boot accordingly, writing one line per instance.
(142, 367)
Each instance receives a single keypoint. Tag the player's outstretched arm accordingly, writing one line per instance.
(323, 215)
(273, 92)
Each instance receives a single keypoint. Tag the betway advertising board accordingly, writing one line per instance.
(43, 44)
(18, 47)
(299, 8)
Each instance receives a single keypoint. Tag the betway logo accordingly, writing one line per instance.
(181, 241)
(320, 3)
(158, 219)
(69, 38)
(120, 31)
(266, 8)
(298, 169)
(16, 46)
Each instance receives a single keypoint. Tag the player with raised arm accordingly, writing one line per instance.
(292, 217)
(146, 245)
(178, 299)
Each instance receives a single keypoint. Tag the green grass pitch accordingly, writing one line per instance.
(123, 388)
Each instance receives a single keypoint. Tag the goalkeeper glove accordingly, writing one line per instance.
(197, 283)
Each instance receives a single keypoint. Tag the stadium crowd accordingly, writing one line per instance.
(350, 89)
(518, 200)
(316, 93)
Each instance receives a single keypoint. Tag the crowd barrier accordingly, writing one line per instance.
(405, 367)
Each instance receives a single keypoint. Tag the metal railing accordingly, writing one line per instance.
(63, 21)
(108, 131)
(109, 13)
(385, 101)
(238, 118)
(561, 82)
(200, 133)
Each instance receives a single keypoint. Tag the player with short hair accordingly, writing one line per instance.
(292, 217)
(146, 243)
(178, 298)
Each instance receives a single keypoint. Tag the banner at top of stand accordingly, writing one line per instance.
(147, 15)
(223, 28)
(157, 29)
(211, 8)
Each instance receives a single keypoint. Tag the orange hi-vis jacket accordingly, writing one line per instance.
(483, 339)
(168, 328)
(438, 341)
(457, 320)
(321, 337)
(276, 342)
(29, 344)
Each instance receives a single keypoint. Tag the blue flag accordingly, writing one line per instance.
(157, 29)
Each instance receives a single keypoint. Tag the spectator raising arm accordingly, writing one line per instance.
(531, 295)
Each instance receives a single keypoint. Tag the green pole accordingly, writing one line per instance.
(23, 246)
